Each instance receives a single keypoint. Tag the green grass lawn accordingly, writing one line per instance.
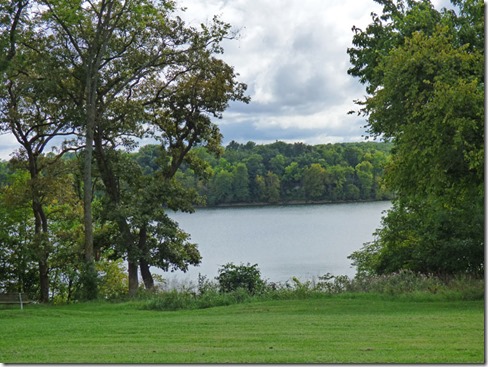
(335, 329)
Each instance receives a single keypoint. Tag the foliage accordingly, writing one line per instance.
(113, 279)
(88, 289)
(424, 75)
(404, 284)
(155, 239)
(185, 299)
(18, 270)
(281, 173)
(94, 77)
(233, 277)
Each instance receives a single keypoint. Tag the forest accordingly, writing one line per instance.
(290, 173)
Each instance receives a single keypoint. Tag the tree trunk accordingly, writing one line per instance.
(40, 238)
(133, 278)
(90, 276)
(87, 172)
(145, 272)
(44, 281)
(109, 179)
(92, 65)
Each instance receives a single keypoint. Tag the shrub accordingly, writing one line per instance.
(232, 277)
(465, 287)
(407, 282)
(113, 281)
(334, 284)
(89, 282)
(184, 300)
(206, 286)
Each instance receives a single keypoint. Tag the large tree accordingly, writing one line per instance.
(424, 75)
(110, 71)
(176, 105)
(33, 110)
(106, 48)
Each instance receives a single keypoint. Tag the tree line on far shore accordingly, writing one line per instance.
(287, 173)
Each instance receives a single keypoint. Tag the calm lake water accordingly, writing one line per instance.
(305, 241)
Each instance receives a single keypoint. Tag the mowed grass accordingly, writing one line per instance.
(354, 328)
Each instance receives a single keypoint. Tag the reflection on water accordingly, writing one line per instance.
(305, 241)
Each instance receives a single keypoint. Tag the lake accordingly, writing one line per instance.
(305, 241)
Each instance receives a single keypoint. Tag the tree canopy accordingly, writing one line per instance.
(423, 70)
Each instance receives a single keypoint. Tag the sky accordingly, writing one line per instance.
(292, 55)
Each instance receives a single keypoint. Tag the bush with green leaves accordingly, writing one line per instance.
(232, 277)
(206, 286)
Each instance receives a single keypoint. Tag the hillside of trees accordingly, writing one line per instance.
(287, 173)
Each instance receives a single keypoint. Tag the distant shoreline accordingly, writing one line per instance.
(286, 203)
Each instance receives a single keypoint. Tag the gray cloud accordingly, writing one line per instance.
(8, 144)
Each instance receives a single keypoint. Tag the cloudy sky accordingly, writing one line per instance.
(292, 55)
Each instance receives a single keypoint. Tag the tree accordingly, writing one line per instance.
(314, 181)
(4, 172)
(292, 180)
(425, 80)
(126, 65)
(17, 261)
(364, 172)
(335, 182)
(33, 110)
(92, 41)
(260, 189)
(234, 277)
(277, 164)
(273, 186)
(255, 168)
(19, 249)
(222, 187)
(240, 183)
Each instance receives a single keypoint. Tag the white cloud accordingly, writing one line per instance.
(292, 54)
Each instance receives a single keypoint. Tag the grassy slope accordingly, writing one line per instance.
(331, 329)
